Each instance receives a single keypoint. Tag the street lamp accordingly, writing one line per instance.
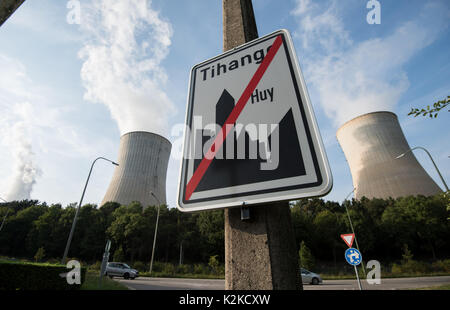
(419, 147)
(69, 240)
(4, 218)
(351, 226)
(156, 231)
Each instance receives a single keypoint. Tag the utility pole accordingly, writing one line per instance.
(74, 223)
(432, 160)
(260, 251)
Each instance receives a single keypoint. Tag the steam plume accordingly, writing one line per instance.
(349, 79)
(25, 170)
(122, 69)
(16, 121)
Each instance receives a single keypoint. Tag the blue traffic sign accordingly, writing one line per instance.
(353, 256)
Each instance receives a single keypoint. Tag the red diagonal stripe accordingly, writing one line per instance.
(220, 138)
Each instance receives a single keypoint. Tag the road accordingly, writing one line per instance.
(386, 284)
(144, 283)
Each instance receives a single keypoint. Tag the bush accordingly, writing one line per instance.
(441, 265)
(168, 269)
(53, 261)
(306, 258)
(96, 266)
(32, 276)
(183, 269)
(40, 254)
(140, 266)
(215, 266)
(409, 267)
(157, 267)
(119, 256)
(200, 269)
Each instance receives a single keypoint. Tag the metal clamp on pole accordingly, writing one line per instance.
(245, 212)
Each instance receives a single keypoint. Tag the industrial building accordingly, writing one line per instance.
(141, 174)
(371, 143)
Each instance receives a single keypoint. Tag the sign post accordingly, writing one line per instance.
(104, 262)
(352, 256)
(357, 278)
(251, 145)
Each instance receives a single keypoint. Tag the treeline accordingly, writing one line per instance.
(32, 226)
(383, 228)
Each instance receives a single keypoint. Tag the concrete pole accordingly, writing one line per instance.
(260, 253)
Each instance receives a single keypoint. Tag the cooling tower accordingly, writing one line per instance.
(143, 159)
(371, 143)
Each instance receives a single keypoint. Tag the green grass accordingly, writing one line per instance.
(436, 288)
(92, 283)
(181, 275)
(24, 262)
(384, 275)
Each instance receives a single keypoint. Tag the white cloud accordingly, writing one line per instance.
(122, 63)
(47, 21)
(351, 78)
(320, 29)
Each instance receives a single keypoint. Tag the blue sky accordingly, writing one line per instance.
(59, 108)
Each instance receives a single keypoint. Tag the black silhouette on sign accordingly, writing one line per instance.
(224, 173)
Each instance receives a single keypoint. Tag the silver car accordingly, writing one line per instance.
(309, 277)
(114, 269)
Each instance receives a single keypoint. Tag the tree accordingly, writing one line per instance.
(420, 222)
(118, 255)
(14, 235)
(40, 255)
(382, 226)
(214, 264)
(327, 230)
(90, 235)
(431, 111)
(211, 227)
(407, 254)
(46, 232)
(306, 258)
(132, 229)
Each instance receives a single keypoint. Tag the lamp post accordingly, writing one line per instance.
(156, 231)
(434, 164)
(351, 226)
(4, 218)
(69, 240)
